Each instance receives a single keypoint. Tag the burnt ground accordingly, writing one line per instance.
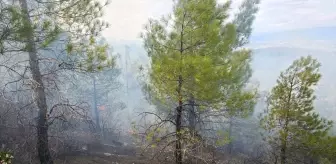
(101, 159)
(106, 155)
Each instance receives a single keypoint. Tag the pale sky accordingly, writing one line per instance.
(127, 17)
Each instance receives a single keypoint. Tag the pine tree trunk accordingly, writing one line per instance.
(284, 144)
(178, 146)
(42, 127)
(283, 153)
(192, 117)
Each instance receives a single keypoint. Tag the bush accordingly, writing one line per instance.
(5, 158)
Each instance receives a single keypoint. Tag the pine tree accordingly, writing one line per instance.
(34, 26)
(291, 119)
(244, 20)
(193, 58)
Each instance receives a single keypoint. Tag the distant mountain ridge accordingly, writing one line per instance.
(316, 33)
(319, 38)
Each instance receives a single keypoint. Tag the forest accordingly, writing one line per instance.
(202, 93)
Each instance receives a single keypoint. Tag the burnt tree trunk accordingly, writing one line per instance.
(178, 146)
(283, 153)
(38, 89)
(178, 123)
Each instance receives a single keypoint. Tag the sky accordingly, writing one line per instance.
(127, 17)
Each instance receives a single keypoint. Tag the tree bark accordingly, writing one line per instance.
(283, 152)
(178, 146)
(283, 148)
(40, 95)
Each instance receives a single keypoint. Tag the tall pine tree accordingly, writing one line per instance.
(194, 63)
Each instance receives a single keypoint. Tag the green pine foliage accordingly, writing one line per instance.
(6, 158)
(199, 46)
(77, 24)
(243, 21)
(294, 125)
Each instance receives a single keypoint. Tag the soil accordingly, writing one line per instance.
(101, 159)
(105, 154)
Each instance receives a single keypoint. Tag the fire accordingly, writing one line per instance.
(102, 107)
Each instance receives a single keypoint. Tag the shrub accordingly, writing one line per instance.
(5, 158)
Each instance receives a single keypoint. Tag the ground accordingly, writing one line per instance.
(126, 155)
(100, 159)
